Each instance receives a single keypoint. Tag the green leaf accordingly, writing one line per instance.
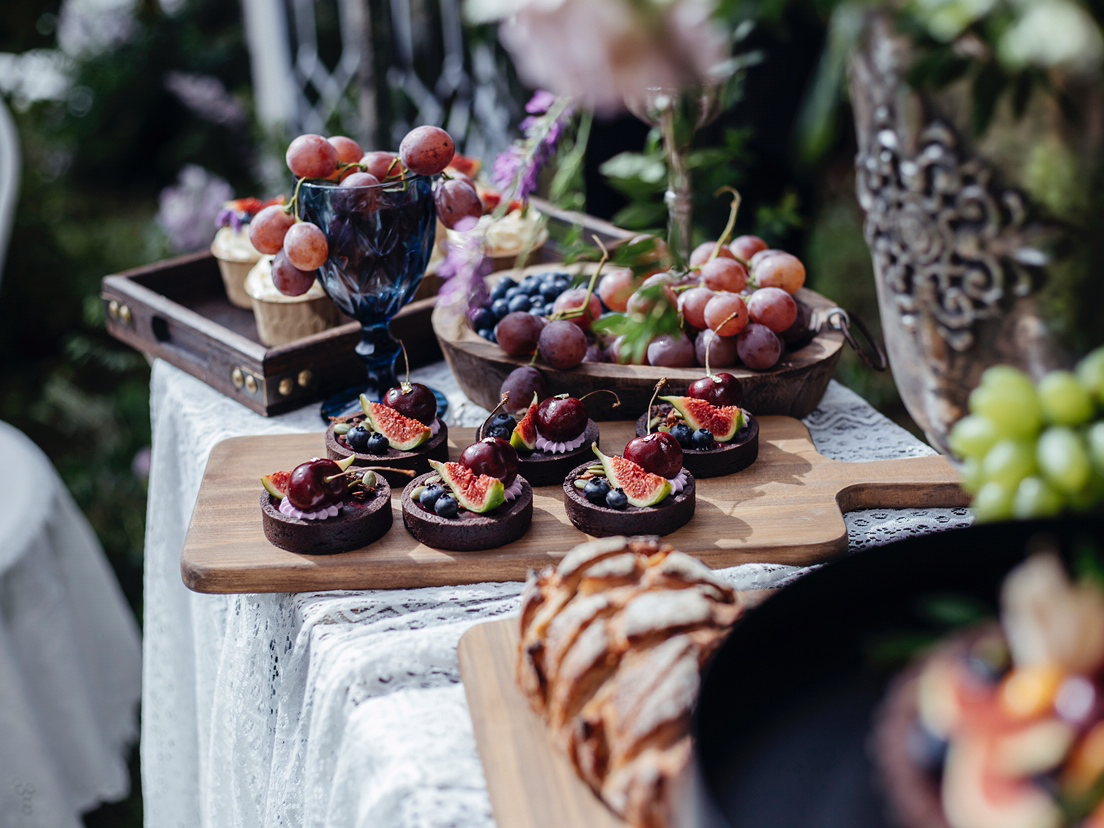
(642, 216)
(628, 166)
(953, 611)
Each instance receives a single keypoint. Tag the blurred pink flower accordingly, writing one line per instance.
(599, 52)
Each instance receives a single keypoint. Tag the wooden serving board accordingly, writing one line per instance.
(531, 784)
(793, 387)
(786, 508)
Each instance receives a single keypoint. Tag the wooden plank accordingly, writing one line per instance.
(792, 388)
(785, 508)
(531, 784)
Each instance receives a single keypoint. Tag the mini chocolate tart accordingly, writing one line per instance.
(359, 523)
(722, 458)
(417, 461)
(468, 531)
(543, 468)
(664, 518)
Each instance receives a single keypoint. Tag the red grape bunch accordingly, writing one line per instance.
(300, 247)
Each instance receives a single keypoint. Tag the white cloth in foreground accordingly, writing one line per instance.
(70, 652)
(346, 708)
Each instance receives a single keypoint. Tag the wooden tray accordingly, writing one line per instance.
(177, 310)
(786, 508)
(793, 387)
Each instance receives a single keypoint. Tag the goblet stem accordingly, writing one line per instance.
(379, 351)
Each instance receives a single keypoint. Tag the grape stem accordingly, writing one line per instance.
(405, 384)
(732, 211)
(571, 313)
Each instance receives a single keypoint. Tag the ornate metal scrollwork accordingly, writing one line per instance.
(945, 236)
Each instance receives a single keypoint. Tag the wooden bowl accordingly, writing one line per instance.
(793, 387)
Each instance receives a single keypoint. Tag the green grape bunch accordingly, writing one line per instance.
(1034, 450)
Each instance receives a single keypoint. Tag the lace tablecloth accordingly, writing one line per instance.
(69, 652)
(345, 708)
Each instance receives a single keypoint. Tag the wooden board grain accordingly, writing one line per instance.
(531, 784)
(793, 387)
(786, 508)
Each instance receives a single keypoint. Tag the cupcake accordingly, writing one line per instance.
(231, 248)
(282, 319)
(521, 230)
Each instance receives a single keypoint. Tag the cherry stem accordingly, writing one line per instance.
(651, 402)
(405, 472)
(483, 425)
(406, 359)
(732, 211)
(602, 391)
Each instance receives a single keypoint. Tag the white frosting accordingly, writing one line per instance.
(322, 514)
(560, 448)
(509, 235)
(513, 491)
(258, 284)
(434, 427)
(678, 482)
(234, 245)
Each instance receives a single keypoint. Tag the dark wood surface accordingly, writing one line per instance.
(177, 310)
(785, 508)
(792, 388)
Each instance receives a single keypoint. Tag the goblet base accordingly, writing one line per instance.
(347, 401)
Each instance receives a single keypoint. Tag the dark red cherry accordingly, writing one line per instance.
(561, 419)
(718, 389)
(316, 484)
(413, 400)
(658, 453)
(492, 456)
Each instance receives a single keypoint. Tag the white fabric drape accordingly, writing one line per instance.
(345, 708)
(69, 652)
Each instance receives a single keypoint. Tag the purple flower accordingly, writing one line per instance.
(516, 172)
(463, 271)
(186, 209)
(540, 103)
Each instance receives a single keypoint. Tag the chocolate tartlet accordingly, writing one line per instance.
(721, 458)
(359, 523)
(673, 512)
(417, 461)
(469, 531)
(543, 468)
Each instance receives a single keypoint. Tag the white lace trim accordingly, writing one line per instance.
(285, 508)
(553, 447)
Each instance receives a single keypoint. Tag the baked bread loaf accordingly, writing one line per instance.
(613, 641)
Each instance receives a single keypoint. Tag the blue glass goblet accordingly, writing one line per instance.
(380, 240)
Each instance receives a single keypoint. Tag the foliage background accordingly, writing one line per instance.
(96, 161)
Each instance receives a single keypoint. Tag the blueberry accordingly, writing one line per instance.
(503, 419)
(487, 333)
(684, 434)
(549, 309)
(536, 301)
(549, 291)
(483, 318)
(531, 286)
(430, 495)
(536, 311)
(702, 438)
(377, 444)
(501, 288)
(500, 307)
(596, 490)
(519, 303)
(511, 293)
(358, 437)
(498, 431)
(616, 499)
(446, 506)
